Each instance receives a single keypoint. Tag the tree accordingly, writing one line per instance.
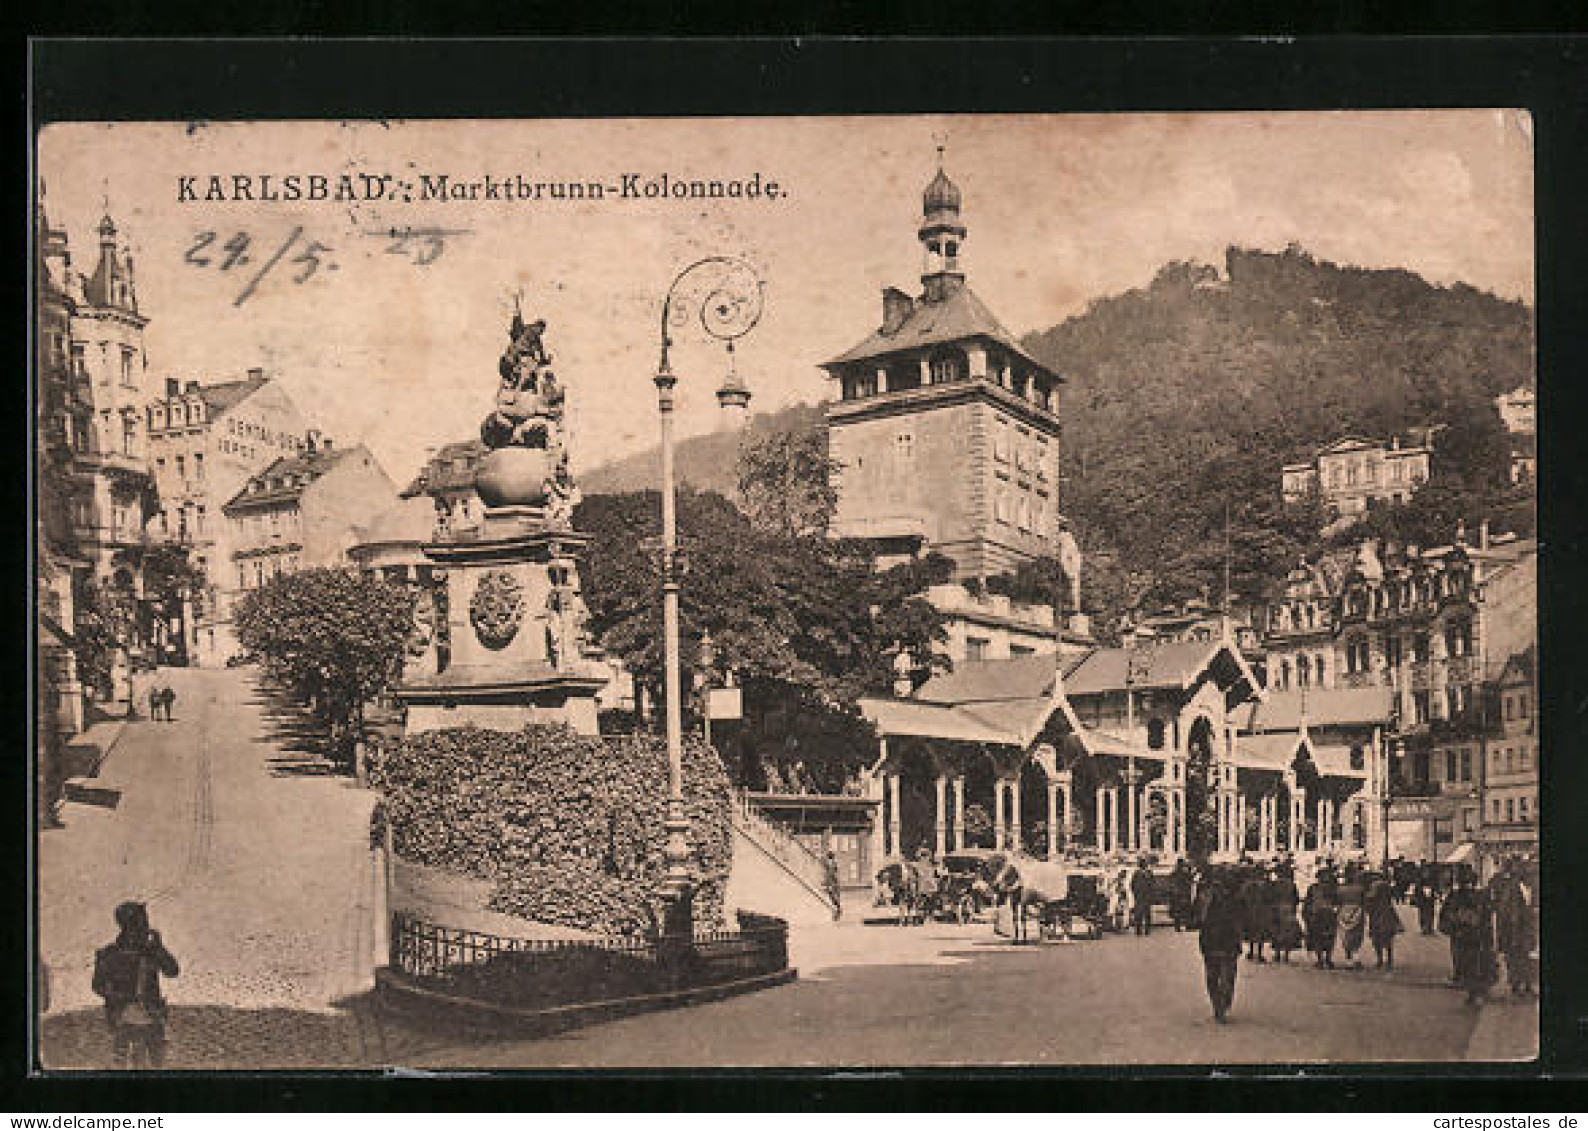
(334, 637)
(788, 481)
(105, 626)
(171, 581)
(805, 623)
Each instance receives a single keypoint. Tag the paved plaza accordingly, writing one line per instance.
(254, 860)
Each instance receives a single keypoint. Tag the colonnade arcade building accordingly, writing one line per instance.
(1171, 751)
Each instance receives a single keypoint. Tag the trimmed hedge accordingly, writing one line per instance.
(569, 827)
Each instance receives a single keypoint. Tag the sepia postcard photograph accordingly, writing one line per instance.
(951, 590)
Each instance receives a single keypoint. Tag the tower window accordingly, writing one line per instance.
(949, 365)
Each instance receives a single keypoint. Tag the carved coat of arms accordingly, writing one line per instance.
(497, 608)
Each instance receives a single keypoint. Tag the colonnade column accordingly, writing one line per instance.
(1015, 843)
(1064, 784)
(1240, 822)
(959, 814)
(896, 848)
(1298, 814)
(940, 830)
(1102, 819)
(874, 791)
(998, 815)
(1132, 842)
(1053, 820)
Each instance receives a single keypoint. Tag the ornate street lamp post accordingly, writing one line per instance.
(724, 294)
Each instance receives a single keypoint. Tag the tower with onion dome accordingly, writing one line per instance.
(947, 435)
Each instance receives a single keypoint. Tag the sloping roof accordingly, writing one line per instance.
(1171, 665)
(1024, 718)
(929, 720)
(958, 316)
(1340, 706)
(976, 681)
(223, 397)
(1335, 761)
(309, 465)
(1267, 751)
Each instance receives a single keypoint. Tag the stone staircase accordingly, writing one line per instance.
(800, 870)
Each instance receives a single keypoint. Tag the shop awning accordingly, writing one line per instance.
(1463, 853)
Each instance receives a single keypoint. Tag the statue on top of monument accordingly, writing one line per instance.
(529, 403)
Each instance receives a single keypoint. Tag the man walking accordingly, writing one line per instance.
(1515, 935)
(127, 976)
(1141, 897)
(1468, 918)
(1180, 894)
(831, 884)
(1220, 941)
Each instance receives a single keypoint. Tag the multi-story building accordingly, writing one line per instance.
(95, 489)
(1352, 474)
(1518, 409)
(1195, 622)
(1511, 774)
(447, 479)
(946, 436)
(1518, 413)
(205, 442)
(303, 511)
(1434, 627)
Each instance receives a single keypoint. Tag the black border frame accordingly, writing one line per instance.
(230, 79)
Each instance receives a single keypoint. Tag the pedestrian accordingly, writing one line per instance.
(1141, 898)
(1352, 914)
(1180, 894)
(127, 976)
(154, 700)
(1219, 939)
(1254, 911)
(1514, 929)
(1321, 913)
(168, 698)
(1423, 898)
(1383, 921)
(1283, 899)
(831, 884)
(1468, 919)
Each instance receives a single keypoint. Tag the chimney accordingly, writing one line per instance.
(192, 386)
(325, 443)
(896, 307)
(256, 374)
(173, 387)
(311, 440)
(1395, 443)
(1483, 535)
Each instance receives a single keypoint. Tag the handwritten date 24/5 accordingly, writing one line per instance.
(301, 257)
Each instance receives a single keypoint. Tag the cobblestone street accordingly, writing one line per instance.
(254, 861)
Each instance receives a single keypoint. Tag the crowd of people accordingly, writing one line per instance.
(1258, 911)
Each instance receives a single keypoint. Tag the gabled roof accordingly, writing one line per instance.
(307, 465)
(1520, 665)
(1175, 665)
(223, 397)
(959, 316)
(1339, 706)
